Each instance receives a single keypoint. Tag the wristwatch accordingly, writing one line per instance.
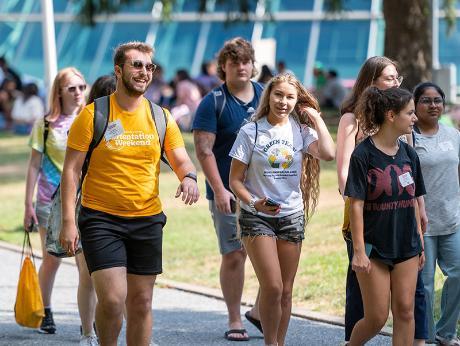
(252, 205)
(191, 175)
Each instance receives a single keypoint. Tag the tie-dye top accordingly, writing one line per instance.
(53, 160)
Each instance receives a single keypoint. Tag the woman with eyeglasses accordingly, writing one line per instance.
(44, 171)
(381, 72)
(438, 147)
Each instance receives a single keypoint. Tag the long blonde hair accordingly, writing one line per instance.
(54, 98)
(309, 181)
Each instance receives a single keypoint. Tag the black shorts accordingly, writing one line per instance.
(114, 241)
(389, 262)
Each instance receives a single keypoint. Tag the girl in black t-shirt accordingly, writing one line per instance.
(383, 183)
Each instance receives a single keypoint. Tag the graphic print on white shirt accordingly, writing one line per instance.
(274, 159)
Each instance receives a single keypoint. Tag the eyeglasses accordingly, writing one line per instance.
(73, 88)
(392, 79)
(139, 65)
(428, 101)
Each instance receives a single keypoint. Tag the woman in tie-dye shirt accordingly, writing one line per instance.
(44, 171)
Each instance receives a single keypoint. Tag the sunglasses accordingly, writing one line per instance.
(139, 65)
(73, 88)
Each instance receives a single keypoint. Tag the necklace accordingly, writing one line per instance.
(383, 151)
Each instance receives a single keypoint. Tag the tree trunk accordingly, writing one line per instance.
(408, 38)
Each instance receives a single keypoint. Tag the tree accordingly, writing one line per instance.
(408, 39)
(408, 27)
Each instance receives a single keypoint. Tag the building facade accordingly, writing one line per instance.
(305, 34)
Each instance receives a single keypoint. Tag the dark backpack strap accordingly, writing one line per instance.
(161, 121)
(220, 99)
(100, 121)
(46, 130)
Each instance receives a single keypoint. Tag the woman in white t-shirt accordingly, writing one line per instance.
(438, 147)
(275, 175)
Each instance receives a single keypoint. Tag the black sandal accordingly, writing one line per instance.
(255, 322)
(236, 331)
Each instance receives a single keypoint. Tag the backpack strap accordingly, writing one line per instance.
(161, 122)
(220, 99)
(100, 121)
(46, 130)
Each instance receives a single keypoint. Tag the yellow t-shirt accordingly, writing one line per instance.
(123, 174)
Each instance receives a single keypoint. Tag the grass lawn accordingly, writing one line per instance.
(190, 246)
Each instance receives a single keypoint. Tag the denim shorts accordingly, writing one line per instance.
(225, 226)
(42, 210)
(289, 228)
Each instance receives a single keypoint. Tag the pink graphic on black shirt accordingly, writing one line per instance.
(381, 181)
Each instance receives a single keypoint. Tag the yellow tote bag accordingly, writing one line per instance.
(28, 309)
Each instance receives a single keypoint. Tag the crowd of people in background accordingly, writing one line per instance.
(22, 103)
(259, 142)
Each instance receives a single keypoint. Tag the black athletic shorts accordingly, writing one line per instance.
(114, 241)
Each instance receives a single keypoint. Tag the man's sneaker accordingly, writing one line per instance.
(48, 325)
(90, 340)
(447, 342)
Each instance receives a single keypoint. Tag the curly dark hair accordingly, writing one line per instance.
(374, 103)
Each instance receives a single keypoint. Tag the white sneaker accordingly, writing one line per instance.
(90, 340)
(447, 342)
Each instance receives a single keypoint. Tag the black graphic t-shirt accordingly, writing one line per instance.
(388, 185)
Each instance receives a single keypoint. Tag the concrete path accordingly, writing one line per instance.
(181, 318)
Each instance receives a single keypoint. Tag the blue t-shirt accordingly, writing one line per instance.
(225, 125)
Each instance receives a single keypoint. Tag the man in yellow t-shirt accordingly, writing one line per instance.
(121, 219)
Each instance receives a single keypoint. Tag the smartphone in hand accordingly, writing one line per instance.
(271, 203)
(233, 206)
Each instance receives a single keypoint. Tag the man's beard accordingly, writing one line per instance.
(130, 89)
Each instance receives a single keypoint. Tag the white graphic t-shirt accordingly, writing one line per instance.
(274, 159)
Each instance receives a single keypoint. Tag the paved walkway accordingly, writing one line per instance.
(181, 318)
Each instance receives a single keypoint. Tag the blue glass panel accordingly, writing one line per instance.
(186, 6)
(337, 51)
(61, 5)
(23, 47)
(353, 5)
(175, 46)
(380, 37)
(449, 46)
(80, 47)
(121, 32)
(20, 6)
(292, 5)
(221, 32)
(229, 6)
(9, 38)
(140, 6)
(291, 43)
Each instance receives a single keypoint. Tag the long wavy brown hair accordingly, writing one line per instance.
(368, 74)
(309, 181)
